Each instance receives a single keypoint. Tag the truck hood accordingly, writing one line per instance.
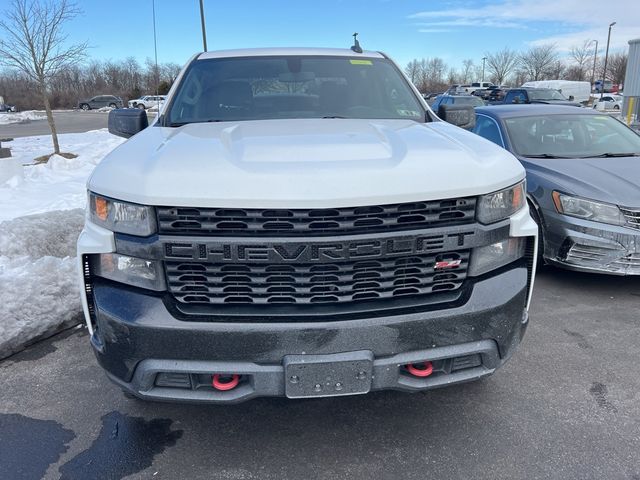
(611, 180)
(308, 163)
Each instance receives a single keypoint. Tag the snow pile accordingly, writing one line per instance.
(39, 290)
(21, 117)
(59, 184)
(41, 217)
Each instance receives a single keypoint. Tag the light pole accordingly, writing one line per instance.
(204, 30)
(483, 60)
(606, 57)
(595, 57)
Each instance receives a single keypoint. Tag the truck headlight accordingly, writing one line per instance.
(588, 209)
(121, 217)
(130, 270)
(491, 257)
(500, 205)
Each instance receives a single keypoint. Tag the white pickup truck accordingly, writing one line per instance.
(298, 222)
(147, 101)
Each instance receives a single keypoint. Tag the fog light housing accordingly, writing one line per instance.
(138, 272)
(491, 257)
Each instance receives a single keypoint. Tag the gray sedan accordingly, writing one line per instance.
(583, 182)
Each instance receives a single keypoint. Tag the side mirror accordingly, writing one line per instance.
(126, 122)
(572, 98)
(463, 116)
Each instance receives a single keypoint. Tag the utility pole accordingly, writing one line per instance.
(606, 57)
(204, 30)
(483, 60)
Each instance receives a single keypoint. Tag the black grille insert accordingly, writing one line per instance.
(308, 283)
(317, 222)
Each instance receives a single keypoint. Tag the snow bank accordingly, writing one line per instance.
(40, 220)
(39, 291)
(59, 184)
(21, 117)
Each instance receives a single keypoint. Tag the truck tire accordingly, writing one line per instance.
(85, 107)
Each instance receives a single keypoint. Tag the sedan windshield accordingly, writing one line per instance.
(546, 94)
(273, 87)
(567, 136)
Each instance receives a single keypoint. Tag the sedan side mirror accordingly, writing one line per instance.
(126, 122)
(463, 116)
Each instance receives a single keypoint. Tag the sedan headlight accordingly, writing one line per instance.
(588, 209)
(121, 217)
(500, 205)
(130, 270)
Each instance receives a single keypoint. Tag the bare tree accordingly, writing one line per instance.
(617, 67)
(581, 56)
(539, 62)
(467, 68)
(35, 44)
(501, 64)
(413, 71)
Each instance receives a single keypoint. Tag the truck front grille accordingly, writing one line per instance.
(315, 222)
(308, 283)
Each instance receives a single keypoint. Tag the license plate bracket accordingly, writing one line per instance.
(308, 376)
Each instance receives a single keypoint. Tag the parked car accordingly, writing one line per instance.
(147, 101)
(583, 182)
(458, 89)
(297, 223)
(609, 87)
(475, 86)
(608, 102)
(580, 91)
(100, 101)
(5, 107)
(446, 99)
(538, 95)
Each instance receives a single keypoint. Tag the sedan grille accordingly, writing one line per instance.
(317, 222)
(309, 283)
(633, 216)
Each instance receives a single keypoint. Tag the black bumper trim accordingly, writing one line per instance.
(268, 380)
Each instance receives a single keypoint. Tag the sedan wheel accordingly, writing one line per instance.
(113, 105)
(140, 106)
(616, 107)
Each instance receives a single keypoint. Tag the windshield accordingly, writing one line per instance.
(256, 88)
(546, 94)
(571, 136)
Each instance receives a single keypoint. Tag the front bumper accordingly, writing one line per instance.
(588, 246)
(136, 339)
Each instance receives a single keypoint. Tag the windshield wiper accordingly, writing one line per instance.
(333, 116)
(544, 155)
(615, 154)
(180, 124)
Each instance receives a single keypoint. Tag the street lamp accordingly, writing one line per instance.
(483, 60)
(204, 30)
(606, 57)
(595, 57)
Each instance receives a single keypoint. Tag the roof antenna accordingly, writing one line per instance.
(356, 44)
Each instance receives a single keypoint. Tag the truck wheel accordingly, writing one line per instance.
(140, 106)
(85, 107)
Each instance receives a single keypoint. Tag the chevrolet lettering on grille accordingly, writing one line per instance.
(283, 252)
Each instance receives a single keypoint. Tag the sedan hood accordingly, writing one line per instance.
(611, 180)
(310, 163)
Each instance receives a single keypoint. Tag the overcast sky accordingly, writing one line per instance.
(405, 29)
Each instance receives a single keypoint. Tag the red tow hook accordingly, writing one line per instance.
(221, 382)
(423, 369)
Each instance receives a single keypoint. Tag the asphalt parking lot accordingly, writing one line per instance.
(66, 122)
(567, 406)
